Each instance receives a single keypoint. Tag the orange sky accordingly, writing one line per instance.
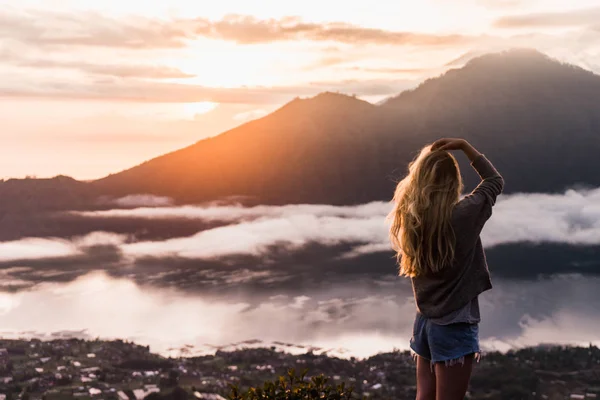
(88, 88)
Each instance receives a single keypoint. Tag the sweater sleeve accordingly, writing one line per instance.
(480, 201)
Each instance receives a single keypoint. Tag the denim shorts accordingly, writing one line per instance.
(444, 343)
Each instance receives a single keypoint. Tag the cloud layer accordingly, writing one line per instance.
(92, 29)
(295, 298)
(580, 17)
(110, 70)
(247, 29)
(571, 218)
(351, 319)
(63, 54)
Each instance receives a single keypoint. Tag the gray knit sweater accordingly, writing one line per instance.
(438, 294)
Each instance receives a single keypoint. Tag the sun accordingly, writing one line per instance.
(192, 110)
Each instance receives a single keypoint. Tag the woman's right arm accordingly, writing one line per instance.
(491, 185)
(470, 151)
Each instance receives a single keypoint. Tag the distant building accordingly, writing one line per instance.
(90, 370)
(208, 396)
(140, 394)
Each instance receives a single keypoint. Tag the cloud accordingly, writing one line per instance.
(501, 3)
(581, 17)
(328, 61)
(142, 200)
(258, 236)
(250, 115)
(138, 90)
(114, 70)
(233, 213)
(144, 91)
(250, 231)
(362, 318)
(35, 248)
(92, 29)
(571, 218)
(55, 248)
(389, 70)
(122, 309)
(464, 58)
(248, 30)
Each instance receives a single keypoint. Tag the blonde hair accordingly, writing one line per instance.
(421, 230)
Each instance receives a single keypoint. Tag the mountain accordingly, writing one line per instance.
(314, 150)
(56, 193)
(536, 118)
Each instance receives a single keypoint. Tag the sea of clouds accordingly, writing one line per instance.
(351, 320)
(570, 218)
(363, 316)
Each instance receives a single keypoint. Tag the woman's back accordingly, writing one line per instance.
(441, 293)
(437, 236)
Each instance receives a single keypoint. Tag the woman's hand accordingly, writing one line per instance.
(449, 144)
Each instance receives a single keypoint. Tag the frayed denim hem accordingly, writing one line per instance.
(449, 363)
(461, 360)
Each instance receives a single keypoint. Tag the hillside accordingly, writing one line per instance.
(124, 370)
(538, 119)
(58, 193)
(310, 150)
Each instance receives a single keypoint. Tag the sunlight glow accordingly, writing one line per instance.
(192, 110)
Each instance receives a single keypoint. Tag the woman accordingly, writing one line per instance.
(436, 235)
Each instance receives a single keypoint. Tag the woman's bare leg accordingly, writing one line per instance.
(425, 380)
(452, 382)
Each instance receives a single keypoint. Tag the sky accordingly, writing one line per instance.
(88, 88)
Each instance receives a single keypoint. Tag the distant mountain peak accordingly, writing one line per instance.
(508, 70)
(326, 101)
(512, 55)
(333, 97)
(517, 57)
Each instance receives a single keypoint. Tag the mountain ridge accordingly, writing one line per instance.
(536, 118)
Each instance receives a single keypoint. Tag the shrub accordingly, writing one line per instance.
(295, 387)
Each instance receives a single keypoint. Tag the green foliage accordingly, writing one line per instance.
(295, 387)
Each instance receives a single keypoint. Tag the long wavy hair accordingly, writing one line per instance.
(421, 230)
